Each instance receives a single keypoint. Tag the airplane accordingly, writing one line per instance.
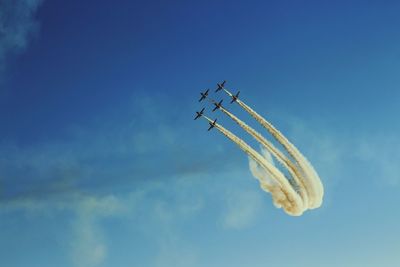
(220, 86)
(199, 114)
(217, 105)
(212, 124)
(235, 97)
(203, 95)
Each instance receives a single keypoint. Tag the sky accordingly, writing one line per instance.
(101, 163)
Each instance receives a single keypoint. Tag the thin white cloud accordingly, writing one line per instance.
(17, 25)
(380, 153)
(154, 205)
(88, 246)
(242, 208)
(165, 204)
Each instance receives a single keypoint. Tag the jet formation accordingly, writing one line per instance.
(217, 105)
(297, 190)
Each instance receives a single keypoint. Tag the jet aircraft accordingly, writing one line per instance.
(235, 97)
(203, 95)
(212, 124)
(199, 114)
(220, 86)
(217, 105)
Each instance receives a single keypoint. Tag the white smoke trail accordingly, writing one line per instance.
(282, 159)
(282, 192)
(310, 179)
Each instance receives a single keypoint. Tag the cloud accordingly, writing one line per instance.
(109, 155)
(88, 247)
(161, 205)
(17, 26)
(114, 170)
(242, 208)
(380, 154)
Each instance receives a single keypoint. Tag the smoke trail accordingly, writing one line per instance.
(282, 159)
(310, 178)
(282, 192)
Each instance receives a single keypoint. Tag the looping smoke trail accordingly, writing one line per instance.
(310, 180)
(282, 159)
(282, 192)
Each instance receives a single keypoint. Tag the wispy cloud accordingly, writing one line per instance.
(108, 170)
(117, 161)
(242, 208)
(87, 245)
(88, 248)
(381, 156)
(17, 25)
(158, 205)
(106, 156)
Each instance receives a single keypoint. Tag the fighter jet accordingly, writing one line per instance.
(203, 95)
(217, 105)
(235, 97)
(212, 124)
(199, 114)
(220, 86)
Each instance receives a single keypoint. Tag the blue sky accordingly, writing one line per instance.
(101, 163)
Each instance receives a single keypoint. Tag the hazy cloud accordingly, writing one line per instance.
(160, 205)
(242, 208)
(123, 151)
(380, 154)
(17, 25)
(88, 247)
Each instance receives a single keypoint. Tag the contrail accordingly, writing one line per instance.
(282, 159)
(282, 192)
(310, 179)
(295, 194)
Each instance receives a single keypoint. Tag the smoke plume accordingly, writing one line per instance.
(301, 191)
